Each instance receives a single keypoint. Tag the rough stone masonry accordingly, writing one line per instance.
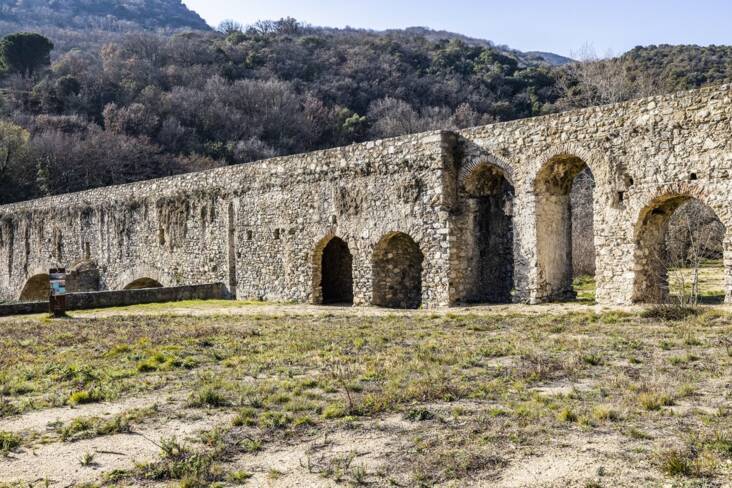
(433, 219)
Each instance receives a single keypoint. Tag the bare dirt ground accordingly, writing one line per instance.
(228, 394)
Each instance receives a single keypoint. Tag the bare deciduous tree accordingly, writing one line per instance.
(596, 81)
(693, 237)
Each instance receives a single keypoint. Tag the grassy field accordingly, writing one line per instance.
(337, 396)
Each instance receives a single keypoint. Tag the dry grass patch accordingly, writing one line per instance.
(281, 379)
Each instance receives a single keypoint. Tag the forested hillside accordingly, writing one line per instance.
(89, 24)
(104, 14)
(153, 104)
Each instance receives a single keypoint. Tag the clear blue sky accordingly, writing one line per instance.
(560, 26)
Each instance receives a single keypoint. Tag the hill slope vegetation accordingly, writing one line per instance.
(148, 104)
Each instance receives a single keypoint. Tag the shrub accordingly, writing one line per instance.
(670, 312)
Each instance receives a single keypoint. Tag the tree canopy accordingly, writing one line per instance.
(149, 105)
(25, 53)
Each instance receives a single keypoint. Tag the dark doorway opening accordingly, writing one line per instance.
(337, 273)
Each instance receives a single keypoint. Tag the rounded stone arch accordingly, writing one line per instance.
(332, 271)
(485, 161)
(650, 217)
(486, 231)
(82, 276)
(136, 274)
(34, 275)
(596, 162)
(397, 265)
(143, 284)
(36, 288)
(645, 200)
(551, 181)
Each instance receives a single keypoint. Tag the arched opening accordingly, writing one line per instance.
(397, 272)
(489, 207)
(564, 235)
(679, 251)
(83, 277)
(142, 284)
(37, 288)
(336, 273)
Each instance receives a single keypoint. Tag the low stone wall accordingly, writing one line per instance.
(122, 298)
(25, 308)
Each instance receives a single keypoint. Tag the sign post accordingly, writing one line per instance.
(57, 300)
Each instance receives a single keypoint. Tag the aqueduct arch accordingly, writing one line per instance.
(651, 281)
(143, 283)
(444, 188)
(553, 217)
(140, 276)
(36, 288)
(332, 272)
(397, 272)
(488, 195)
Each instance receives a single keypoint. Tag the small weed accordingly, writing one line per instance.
(238, 477)
(675, 462)
(567, 415)
(8, 442)
(84, 396)
(274, 474)
(359, 475)
(639, 434)
(87, 459)
(303, 421)
(654, 401)
(208, 396)
(274, 420)
(722, 445)
(593, 359)
(177, 462)
(246, 416)
(669, 312)
(419, 415)
(604, 413)
(334, 411)
(251, 445)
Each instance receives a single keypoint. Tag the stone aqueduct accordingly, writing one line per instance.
(433, 219)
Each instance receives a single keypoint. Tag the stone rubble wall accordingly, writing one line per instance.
(254, 227)
(261, 228)
(638, 152)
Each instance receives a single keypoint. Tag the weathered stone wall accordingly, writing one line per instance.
(487, 208)
(255, 227)
(639, 152)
